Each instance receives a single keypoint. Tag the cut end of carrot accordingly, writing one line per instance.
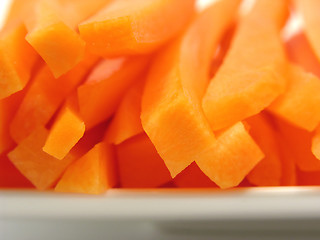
(140, 166)
(126, 122)
(253, 91)
(235, 155)
(59, 46)
(65, 133)
(135, 27)
(17, 59)
(93, 173)
(268, 171)
(299, 104)
(40, 168)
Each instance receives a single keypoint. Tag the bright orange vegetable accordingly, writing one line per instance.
(300, 52)
(44, 97)
(10, 177)
(126, 122)
(268, 171)
(287, 156)
(299, 141)
(315, 147)
(51, 31)
(66, 131)
(140, 166)
(222, 51)
(93, 173)
(135, 27)
(193, 177)
(231, 158)
(310, 13)
(8, 108)
(17, 59)
(40, 168)
(100, 95)
(253, 72)
(171, 104)
(308, 178)
(300, 103)
(19, 11)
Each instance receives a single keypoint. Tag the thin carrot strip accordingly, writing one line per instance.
(50, 93)
(135, 27)
(310, 12)
(171, 111)
(253, 72)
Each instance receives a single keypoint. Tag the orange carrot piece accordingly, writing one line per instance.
(135, 27)
(171, 111)
(75, 11)
(10, 177)
(140, 166)
(17, 60)
(231, 158)
(308, 178)
(103, 90)
(315, 147)
(51, 32)
(40, 168)
(253, 72)
(66, 131)
(126, 122)
(300, 52)
(193, 177)
(8, 108)
(287, 156)
(300, 103)
(288, 175)
(93, 173)
(222, 51)
(268, 171)
(19, 11)
(58, 44)
(45, 96)
(299, 141)
(310, 13)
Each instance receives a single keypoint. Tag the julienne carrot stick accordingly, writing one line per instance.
(300, 53)
(135, 27)
(51, 30)
(103, 89)
(299, 142)
(40, 168)
(139, 164)
(68, 128)
(253, 72)
(299, 104)
(171, 110)
(17, 60)
(311, 17)
(50, 94)
(307, 87)
(268, 171)
(126, 121)
(93, 173)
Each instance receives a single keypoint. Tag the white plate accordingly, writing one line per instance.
(167, 204)
(284, 212)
